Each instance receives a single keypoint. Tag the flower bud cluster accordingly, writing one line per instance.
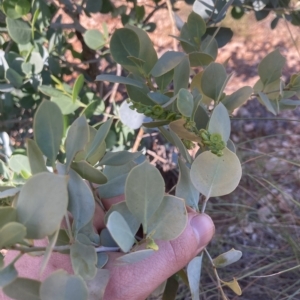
(213, 141)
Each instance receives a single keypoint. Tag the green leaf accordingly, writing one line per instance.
(185, 188)
(164, 80)
(162, 225)
(181, 75)
(101, 279)
(89, 231)
(102, 259)
(194, 275)
(220, 122)
(124, 42)
(123, 210)
(14, 78)
(270, 67)
(196, 26)
(77, 87)
(231, 146)
(23, 289)
(8, 275)
(119, 158)
(168, 61)
(141, 198)
(50, 91)
(7, 214)
(223, 35)
(19, 31)
(119, 79)
(77, 138)
(213, 79)
(216, 176)
(99, 138)
(42, 203)
(84, 260)
(35, 157)
(139, 94)
(227, 258)
(158, 98)
(22, 7)
(178, 127)
(19, 163)
(65, 104)
(60, 285)
(187, 41)
(93, 6)
(82, 211)
(11, 233)
(94, 39)
(267, 103)
(209, 46)
(48, 129)
(134, 257)
(171, 288)
(37, 62)
(185, 102)
(120, 231)
(200, 59)
(9, 9)
(147, 52)
(106, 239)
(86, 171)
(237, 98)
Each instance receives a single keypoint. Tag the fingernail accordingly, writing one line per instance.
(203, 228)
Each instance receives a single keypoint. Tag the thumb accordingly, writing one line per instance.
(137, 281)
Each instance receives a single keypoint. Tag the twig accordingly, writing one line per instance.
(138, 140)
(157, 157)
(153, 12)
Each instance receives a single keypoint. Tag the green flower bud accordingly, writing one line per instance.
(215, 138)
(157, 110)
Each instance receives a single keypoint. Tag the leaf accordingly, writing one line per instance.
(267, 103)
(14, 78)
(19, 163)
(77, 87)
(231, 146)
(213, 79)
(19, 31)
(270, 67)
(227, 258)
(119, 158)
(23, 7)
(89, 231)
(8, 275)
(94, 39)
(60, 285)
(168, 61)
(41, 204)
(141, 198)
(102, 278)
(124, 42)
(119, 79)
(134, 257)
(37, 62)
(114, 187)
(81, 201)
(106, 239)
(171, 288)
(209, 45)
(233, 285)
(162, 225)
(9, 9)
(93, 6)
(50, 91)
(11, 233)
(223, 36)
(196, 26)
(220, 122)
(216, 176)
(120, 231)
(84, 260)
(7, 214)
(35, 157)
(158, 98)
(123, 210)
(200, 59)
(185, 188)
(185, 102)
(48, 129)
(194, 275)
(238, 98)
(181, 75)
(65, 104)
(77, 138)
(86, 171)
(23, 289)
(178, 127)
(164, 80)
(99, 138)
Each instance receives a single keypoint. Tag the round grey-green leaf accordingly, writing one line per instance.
(42, 203)
(19, 31)
(11, 233)
(61, 285)
(216, 176)
(94, 39)
(185, 102)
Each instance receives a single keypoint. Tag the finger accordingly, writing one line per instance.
(137, 281)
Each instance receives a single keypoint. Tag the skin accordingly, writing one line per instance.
(135, 281)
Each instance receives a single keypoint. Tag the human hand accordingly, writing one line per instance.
(135, 281)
